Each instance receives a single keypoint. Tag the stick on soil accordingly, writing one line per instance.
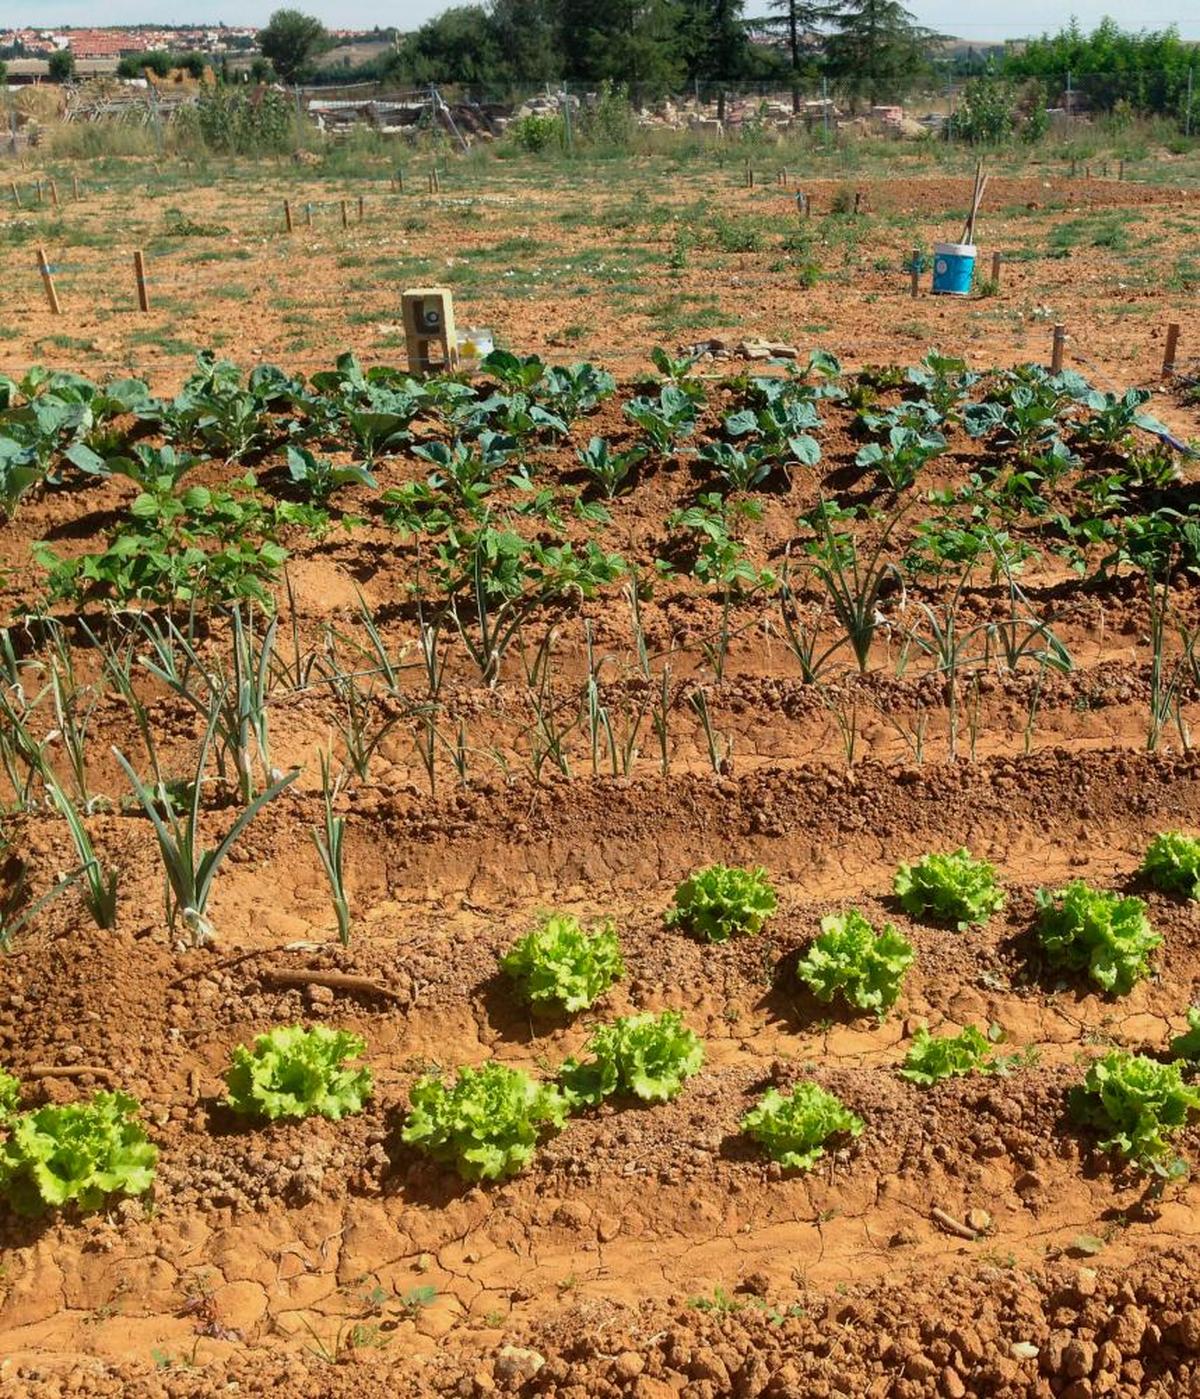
(334, 981)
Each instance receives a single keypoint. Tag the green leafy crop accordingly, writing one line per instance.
(559, 963)
(929, 1059)
(647, 1055)
(293, 1072)
(1086, 929)
(849, 956)
(78, 1153)
(951, 888)
(10, 1095)
(1187, 1045)
(793, 1128)
(487, 1124)
(1173, 863)
(1138, 1104)
(718, 902)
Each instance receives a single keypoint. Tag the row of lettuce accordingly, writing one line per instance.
(487, 498)
(487, 1123)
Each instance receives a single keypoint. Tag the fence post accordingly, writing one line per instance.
(1056, 351)
(139, 274)
(345, 216)
(1168, 366)
(916, 273)
(287, 214)
(48, 283)
(16, 193)
(996, 270)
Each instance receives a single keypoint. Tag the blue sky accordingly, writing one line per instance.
(1016, 18)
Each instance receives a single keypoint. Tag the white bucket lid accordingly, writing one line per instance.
(954, 249)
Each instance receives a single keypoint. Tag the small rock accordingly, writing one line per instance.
(979, 1220)
(517, 1363)
(628, 1365)
(1023, 1350)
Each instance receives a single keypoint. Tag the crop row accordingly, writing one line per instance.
(495, 524)
(487, 1123)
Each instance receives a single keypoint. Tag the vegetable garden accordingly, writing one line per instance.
(525, 881)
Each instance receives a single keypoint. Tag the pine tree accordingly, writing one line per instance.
(627, 41)
(796, 21)
(877, 48)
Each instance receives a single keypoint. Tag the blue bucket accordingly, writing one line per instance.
(953, 268)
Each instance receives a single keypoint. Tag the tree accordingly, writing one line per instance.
(716, 44)
(877, 49)
(458, 46)
(3, 72)
(797, 21)
(62, 66)
(527, 32)
(291, 41)
(638, 42)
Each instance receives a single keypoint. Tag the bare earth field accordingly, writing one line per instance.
(646, 1251)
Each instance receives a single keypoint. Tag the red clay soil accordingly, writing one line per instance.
(971, 1241)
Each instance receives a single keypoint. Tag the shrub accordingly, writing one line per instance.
(930, 1059)
(950, 888)
(1138, 1104)
(558, 963)
(1173, 863)
(536, 132)
(487, 1124)
(1086, 929)
(793, 1128)
(79, 1153)
(293, 1072)
(649, 1056)
(718, 902)
(850, 957)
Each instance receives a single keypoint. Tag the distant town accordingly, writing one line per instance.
(26, 51)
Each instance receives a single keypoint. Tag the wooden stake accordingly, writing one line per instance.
(400, 181)
(808, 206)
(48, 283)
(16, 193)
(1056, 350)
(1072, 169)
(1168, 367)
(74, 186)
(308, 216)
(139, 273)
(53, 194)
(1120, 169)
(360, 208)
(857, 200)
(996, 270)
(916, 273)
(345, 216)
(287, 214)
(37, 184)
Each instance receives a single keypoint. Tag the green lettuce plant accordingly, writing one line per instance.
(931, 1059)
(648, 1056)
(486, 1124)
(949, 888)
(561, 964)
(10, 1095)
(1187, 1045)
(718, 903)
(78, 1153)
(849, 958)
(793, 1128)
(293, 1072)
(1172, 863)
(1137, 1104)
(1105, 935)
